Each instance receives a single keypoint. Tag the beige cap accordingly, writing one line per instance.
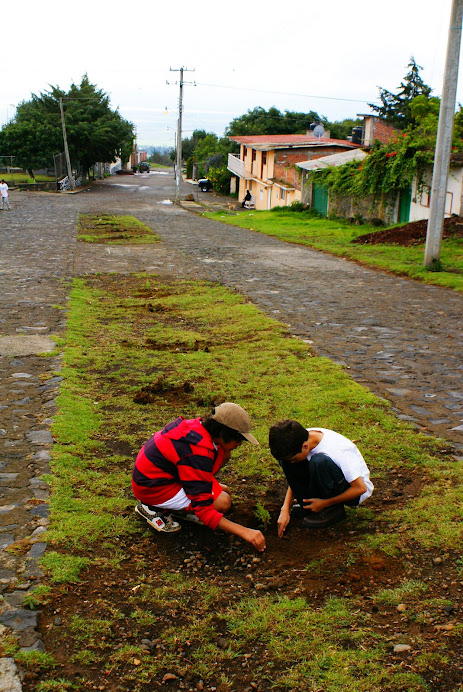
(236, 418)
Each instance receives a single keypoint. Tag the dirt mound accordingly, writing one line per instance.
(412, 233)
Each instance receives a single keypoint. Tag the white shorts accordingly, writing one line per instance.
(179, 501)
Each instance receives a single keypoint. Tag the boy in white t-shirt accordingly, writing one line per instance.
(324, 470)
(4, 195)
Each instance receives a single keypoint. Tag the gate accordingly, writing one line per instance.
(320, 199)
(404, 204)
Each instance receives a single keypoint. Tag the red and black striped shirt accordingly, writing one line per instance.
(181, 455)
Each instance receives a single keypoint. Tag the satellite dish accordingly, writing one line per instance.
(319, 131)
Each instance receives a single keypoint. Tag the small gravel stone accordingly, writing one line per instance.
(401, 648)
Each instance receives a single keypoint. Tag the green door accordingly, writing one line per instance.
(404, 204)
(320, 199)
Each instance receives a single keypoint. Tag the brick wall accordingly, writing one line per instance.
(383, 131)
(285, 159)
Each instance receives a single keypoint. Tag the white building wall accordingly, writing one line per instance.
(419, 208)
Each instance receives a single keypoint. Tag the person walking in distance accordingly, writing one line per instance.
(4, 193)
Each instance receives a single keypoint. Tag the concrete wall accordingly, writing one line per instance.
(365, 207)
(419, 208)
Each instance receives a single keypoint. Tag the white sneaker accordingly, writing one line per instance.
(157, 519)
(188, 516)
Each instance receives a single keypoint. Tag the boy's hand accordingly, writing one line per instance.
(315, 504)
(283, 521)
(255, 538)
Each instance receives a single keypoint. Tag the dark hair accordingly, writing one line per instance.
(216, 429)
(286, 438)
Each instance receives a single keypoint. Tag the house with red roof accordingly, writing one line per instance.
(266, 164)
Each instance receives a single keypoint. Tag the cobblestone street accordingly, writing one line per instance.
(400, 338)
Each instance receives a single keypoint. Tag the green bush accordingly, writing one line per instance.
(220, 179)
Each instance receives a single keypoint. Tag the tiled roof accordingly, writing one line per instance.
(267, 141)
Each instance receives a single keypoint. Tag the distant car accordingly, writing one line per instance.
(204, 184)
(144, 167)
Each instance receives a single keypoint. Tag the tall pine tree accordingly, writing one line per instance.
(395, 108)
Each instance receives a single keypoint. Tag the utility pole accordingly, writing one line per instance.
(444, 139)
(178, 165)
(66, 150)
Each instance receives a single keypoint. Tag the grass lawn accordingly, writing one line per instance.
(13, 178)
(335, 237)
(123, 607)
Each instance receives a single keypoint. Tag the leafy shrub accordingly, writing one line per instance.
(220, 179)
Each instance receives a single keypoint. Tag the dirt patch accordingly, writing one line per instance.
(150, 393)
(411, 234)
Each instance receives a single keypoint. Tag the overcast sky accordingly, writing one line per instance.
(329, 56)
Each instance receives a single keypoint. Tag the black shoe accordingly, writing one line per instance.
(298, 511)
(327, 517)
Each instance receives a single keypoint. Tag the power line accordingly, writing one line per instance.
(282, 93)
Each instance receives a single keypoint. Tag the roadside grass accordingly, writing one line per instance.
(114, 229)
(335, 236)
(138, 348)
(13, 178)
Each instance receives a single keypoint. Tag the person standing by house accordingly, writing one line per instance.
(4, 193)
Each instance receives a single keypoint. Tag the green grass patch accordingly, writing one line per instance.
(136, 351)
(114, 229)
(13, 178)
(335, 237)
(63, 568)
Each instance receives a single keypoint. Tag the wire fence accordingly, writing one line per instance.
(60, 165)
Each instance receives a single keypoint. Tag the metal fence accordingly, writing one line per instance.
(60, 165)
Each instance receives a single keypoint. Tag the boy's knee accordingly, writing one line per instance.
(319, 460)
(223, 502)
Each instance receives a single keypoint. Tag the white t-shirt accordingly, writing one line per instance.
(4, 189)
(345, 454)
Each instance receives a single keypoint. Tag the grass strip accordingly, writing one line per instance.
(114, 229)
(335, 237)
(138, 353)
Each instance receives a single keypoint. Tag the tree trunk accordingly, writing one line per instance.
(31, 174)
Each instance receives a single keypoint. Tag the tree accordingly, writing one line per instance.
(94, 131)
(207, 150)
(395, 108)
(189, 144)
(160, 156)
(258, 121)
(342, 129)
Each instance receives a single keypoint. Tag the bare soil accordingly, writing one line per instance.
(204, 556)
(413, 233)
